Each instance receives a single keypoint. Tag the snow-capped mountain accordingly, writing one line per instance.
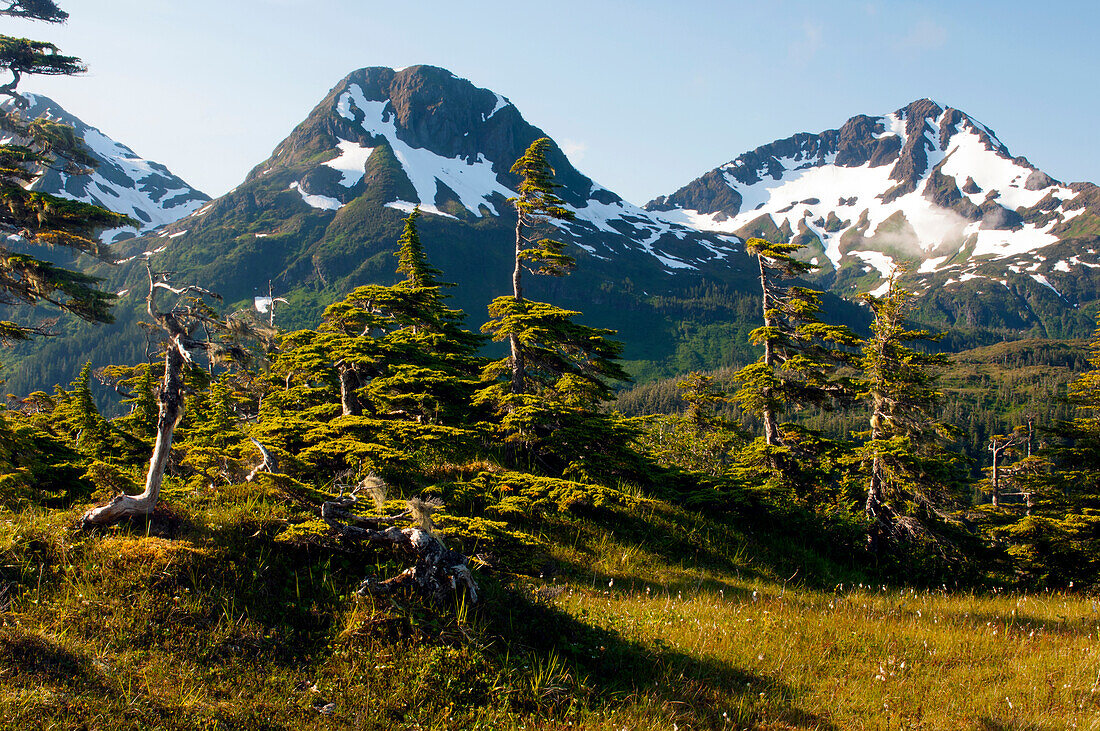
(452, 146)
(926, 187)
(383, 141)
(122, 181)
(996, 247)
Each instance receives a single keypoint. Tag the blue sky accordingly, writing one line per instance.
(644, 95)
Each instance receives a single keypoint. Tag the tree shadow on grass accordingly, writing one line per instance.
(755, 545)
(697, 692)
(37, 660)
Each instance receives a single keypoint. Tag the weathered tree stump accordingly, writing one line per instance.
(438, 572)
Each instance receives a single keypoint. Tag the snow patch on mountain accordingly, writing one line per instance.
(122, 181)
(1041, 279)
(351, 163)
(474, 182)
(1003, 244)
(407, 207)
(323, 202)
(501, 103)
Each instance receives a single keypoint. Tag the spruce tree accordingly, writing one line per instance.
(536, 205)
(32, 217)
(400, 349)
(76, 413)
(558, 371)
(802, 355)
(390, 371)
(1057, 539)
(906, 467)
(411, 259)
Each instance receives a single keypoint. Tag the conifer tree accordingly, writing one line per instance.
(1076, 481)
(1057, 539)
(76, 413)
(801, 353)
(32, 217)
(557, 370)
(136, 386)
(411, 259)
(401, 348)
(903, 455)
(388, 367)
(536, 205)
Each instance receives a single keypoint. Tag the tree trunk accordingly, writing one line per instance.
(994, 476)
(876, 489)
(771, 427)
(875, 507)
(169, 413)
(519, 368)
(349, 401)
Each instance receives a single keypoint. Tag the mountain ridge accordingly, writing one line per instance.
(927, 188)
(322, 213)
(122, 180)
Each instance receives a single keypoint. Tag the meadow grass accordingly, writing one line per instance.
(652, 617)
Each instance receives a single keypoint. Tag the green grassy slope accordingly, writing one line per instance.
(637, 614)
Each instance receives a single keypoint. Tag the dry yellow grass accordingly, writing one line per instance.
(863, 658)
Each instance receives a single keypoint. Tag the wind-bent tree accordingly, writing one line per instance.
(801, 353)
(898, 383)
(189, 327)
(536, 205)
(557, 370)
(34, 218)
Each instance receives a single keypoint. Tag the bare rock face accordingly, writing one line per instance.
(713, 193)
(708, 194)
(996, 216)
(1039, 180)
(913, 158)
(861, 143)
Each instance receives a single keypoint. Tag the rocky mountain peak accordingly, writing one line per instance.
(926, 187)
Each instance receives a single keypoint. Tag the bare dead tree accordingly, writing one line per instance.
(999, 445)
(437, 573)
(189, 326)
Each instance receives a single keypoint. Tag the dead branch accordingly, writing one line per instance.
(269, 463)
(438, 572)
